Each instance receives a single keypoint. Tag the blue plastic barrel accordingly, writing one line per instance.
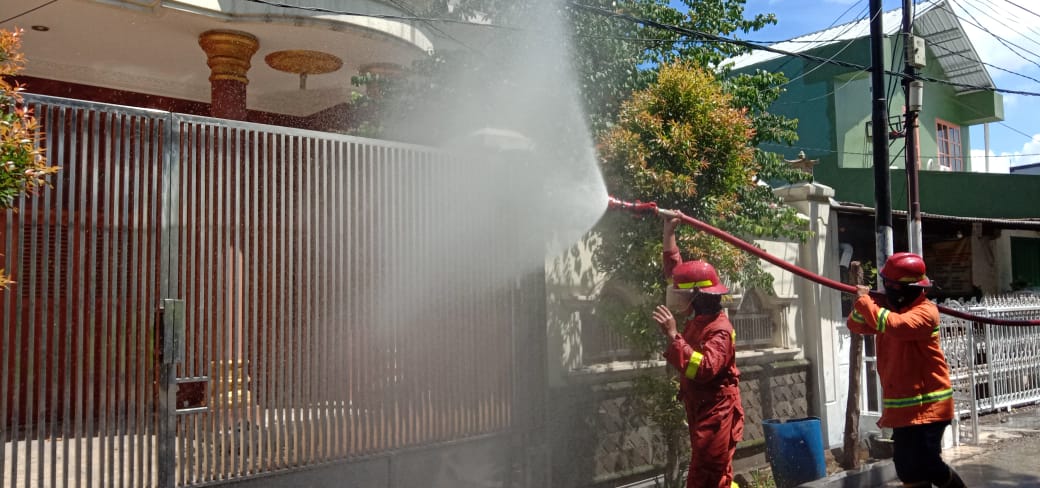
(794, 450)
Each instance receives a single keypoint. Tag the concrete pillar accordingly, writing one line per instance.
(228, 54)
(822, 324)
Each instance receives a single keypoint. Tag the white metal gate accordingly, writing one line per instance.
(992, 367)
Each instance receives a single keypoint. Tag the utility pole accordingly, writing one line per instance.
(879, 131)
(913, 95)
(851, 447)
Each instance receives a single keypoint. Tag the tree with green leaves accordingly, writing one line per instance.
(23, 167)
(686, 139)
(684, 143)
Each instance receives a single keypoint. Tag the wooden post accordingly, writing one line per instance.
(851, 449)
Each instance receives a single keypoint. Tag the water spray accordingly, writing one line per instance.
(651, 208)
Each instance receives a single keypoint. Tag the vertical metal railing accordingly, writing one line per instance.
(77, 364)
(327, 312)
(992, 367)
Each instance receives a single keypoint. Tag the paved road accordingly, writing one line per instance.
(1008, 454)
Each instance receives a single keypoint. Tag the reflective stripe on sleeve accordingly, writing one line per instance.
(857, 317)
(882, 319)
(694, 365)
(935, 396)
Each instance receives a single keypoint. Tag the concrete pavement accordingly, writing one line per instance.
(1007, 455)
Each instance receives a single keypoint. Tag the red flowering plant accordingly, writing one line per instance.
(23, 167)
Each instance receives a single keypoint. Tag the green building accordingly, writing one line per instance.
(832, 102)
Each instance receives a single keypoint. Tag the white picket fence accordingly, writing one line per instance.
(992, 367)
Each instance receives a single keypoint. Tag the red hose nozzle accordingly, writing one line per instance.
(636, 208)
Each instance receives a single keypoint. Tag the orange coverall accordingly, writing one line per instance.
(708, 386)
(915, 378)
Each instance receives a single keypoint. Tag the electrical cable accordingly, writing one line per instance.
(825, 95)
(701, 36)
(408, 10)
(27, 12)
(1006, 22)
(1023, 8)
(891, 90)
(710, 37)
(1002, 123)
(858, 67)
(1001, 40)
(858, 153)
(836, 38)
(979, 112)
(848, 43)
(410, 18)
(998, 68)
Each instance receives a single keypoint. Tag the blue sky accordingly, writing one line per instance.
(1014, 141)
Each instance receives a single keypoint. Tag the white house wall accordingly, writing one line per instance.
(820, 315)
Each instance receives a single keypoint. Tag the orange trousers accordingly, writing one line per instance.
(716, 426)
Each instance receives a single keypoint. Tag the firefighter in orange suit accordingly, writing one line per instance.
(705, 356)
(915, 379)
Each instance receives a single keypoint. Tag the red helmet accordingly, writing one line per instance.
(905, 268)
(699, 275)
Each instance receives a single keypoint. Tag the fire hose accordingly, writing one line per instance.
(651, 208)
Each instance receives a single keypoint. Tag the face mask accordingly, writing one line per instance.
(901, 296)
(707, 304)
(678, 301)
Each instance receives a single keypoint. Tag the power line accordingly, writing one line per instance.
(408, 10)
(753, 46)
(834, 39)
(410, 18)
(849, 43)
(1023, 8)
(702, 36)
(1006, 22)
(956, 53)
(27, 12)
(1006, 43)
(979, 112)
(857, 153)
(825, 95)
(892, 84)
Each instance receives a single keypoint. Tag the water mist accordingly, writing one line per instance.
(519, 180)
(457, 298)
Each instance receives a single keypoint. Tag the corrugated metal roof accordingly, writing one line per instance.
(1020, 224)
(934, 20)
(951, 47)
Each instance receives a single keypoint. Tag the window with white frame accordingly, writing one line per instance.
(948, 143)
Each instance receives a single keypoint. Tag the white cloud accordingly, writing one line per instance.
(1033, 146)
(997, 163)
(1000, 163)
(1029, 154)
